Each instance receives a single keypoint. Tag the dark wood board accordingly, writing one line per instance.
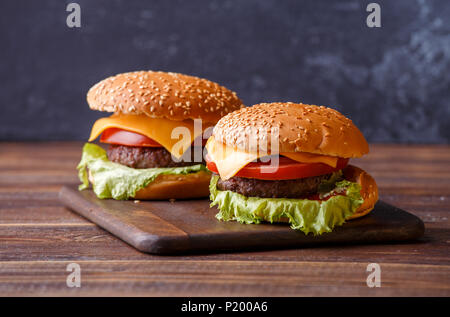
(183, 226)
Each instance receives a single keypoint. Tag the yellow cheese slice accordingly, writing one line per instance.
(311, 158)
(175, 136)
(230, 160)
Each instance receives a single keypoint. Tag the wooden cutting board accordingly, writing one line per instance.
(184, 226)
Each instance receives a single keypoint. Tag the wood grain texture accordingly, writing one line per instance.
(39, 237)
(222, 278)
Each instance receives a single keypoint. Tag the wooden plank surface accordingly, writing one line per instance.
(186, 226)
(39, 237)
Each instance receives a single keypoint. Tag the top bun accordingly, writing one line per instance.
(163, 95)
(302, 128)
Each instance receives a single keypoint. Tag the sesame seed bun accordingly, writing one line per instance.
(164, 187)
(163, 95)
(302, 128)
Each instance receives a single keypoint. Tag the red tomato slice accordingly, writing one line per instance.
(123, 137)
(287, 169)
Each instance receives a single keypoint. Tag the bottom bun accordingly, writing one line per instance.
(193, 185)
(369, 189)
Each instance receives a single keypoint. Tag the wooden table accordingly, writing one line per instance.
(39, 238)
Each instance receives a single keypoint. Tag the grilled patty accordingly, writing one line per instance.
(146, 157)
(292, 188)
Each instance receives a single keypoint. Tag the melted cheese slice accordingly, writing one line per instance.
(230, 160)
(311, 158)
(158, 129)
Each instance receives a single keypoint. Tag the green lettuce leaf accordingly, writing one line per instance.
(112, 180)
(303, 214)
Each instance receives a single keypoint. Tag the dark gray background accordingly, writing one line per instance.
(392, 81)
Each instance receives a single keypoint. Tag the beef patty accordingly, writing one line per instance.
(292, 188)
(146, 157)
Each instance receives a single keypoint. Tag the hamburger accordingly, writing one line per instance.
(288, 162)
(154, 136)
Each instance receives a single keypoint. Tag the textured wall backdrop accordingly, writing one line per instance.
(392, 81)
